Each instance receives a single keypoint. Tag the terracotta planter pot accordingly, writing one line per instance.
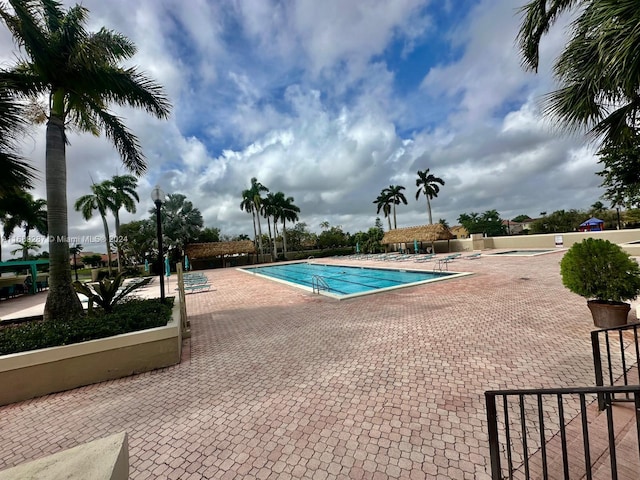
(609, 314)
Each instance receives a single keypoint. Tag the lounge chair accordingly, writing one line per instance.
(472, 256)
(425, 258)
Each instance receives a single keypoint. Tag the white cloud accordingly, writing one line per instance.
(301, 96)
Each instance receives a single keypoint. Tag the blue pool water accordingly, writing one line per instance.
(345, 281)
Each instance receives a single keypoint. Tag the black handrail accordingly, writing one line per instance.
(620, 356)
(548, 416)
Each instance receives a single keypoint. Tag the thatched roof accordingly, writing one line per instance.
(422, 233)
(202, 251)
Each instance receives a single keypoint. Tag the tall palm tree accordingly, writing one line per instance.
(395, 198)
(80, 73)
(384, 203)
(269, 210)
(28, 214)
(255, 194)
(428, 186)
(598, 70)
(99, 200)
(123, 194)
(247, 206)
(288, 211)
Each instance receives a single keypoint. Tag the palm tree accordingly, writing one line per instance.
(81, 76)
(268, 210)
(123, 194)
(181, 221)
(247, 206)
(101, 200)
(428, 185)
(384, 203)
(288, 211)
(29, 214)
(598, 70)
(396, 197)
(26, 246)
(324, 225)
(75, 251)
(255, 194)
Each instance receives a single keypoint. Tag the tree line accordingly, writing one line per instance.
(274, 207)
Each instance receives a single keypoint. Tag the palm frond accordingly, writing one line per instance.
(126, 143)
(539, 17)
(28, 28)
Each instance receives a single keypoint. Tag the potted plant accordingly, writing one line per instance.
(605, 275)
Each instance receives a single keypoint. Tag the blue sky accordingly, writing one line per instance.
(330, 102)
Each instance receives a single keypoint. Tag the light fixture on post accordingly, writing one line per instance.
(157, 195)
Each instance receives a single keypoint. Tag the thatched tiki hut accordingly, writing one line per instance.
(412, 236)
(220, 254)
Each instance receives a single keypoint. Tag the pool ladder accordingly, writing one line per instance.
(318, 283)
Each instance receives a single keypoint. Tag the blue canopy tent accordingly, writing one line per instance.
(592, 225)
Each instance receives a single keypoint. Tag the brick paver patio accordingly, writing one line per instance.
(280, 383)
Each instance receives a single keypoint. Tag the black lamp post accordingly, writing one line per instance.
(157, 195)
(75, 251)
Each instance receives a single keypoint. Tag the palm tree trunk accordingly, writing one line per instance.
(284, 238)
(270, 238)
(395, 223)
(62, 300)
(118, 247)
(259, 236)
(275, 238)
(255, 232)
(107, 242)
(429, 210)
(389, 220)
(25, 249)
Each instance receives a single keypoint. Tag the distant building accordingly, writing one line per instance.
(104, 260)
(459, 231)
(518, 228)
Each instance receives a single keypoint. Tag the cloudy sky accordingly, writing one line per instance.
(330, 102)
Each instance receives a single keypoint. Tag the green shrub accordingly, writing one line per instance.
(107, 293)
(130, 316)
(598, 269)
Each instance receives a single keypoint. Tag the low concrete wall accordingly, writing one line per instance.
(103, 459)
(548, 240)
(40, 372)
(568, 239)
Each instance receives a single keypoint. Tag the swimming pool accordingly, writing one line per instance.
(524, 253)
(342, 282)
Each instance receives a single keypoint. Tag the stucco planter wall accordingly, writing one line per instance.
(40, 372)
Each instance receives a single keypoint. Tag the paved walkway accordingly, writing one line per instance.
(280, 383)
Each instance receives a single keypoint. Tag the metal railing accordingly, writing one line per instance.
(318, 283)
(615, 353)
(545, 433)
